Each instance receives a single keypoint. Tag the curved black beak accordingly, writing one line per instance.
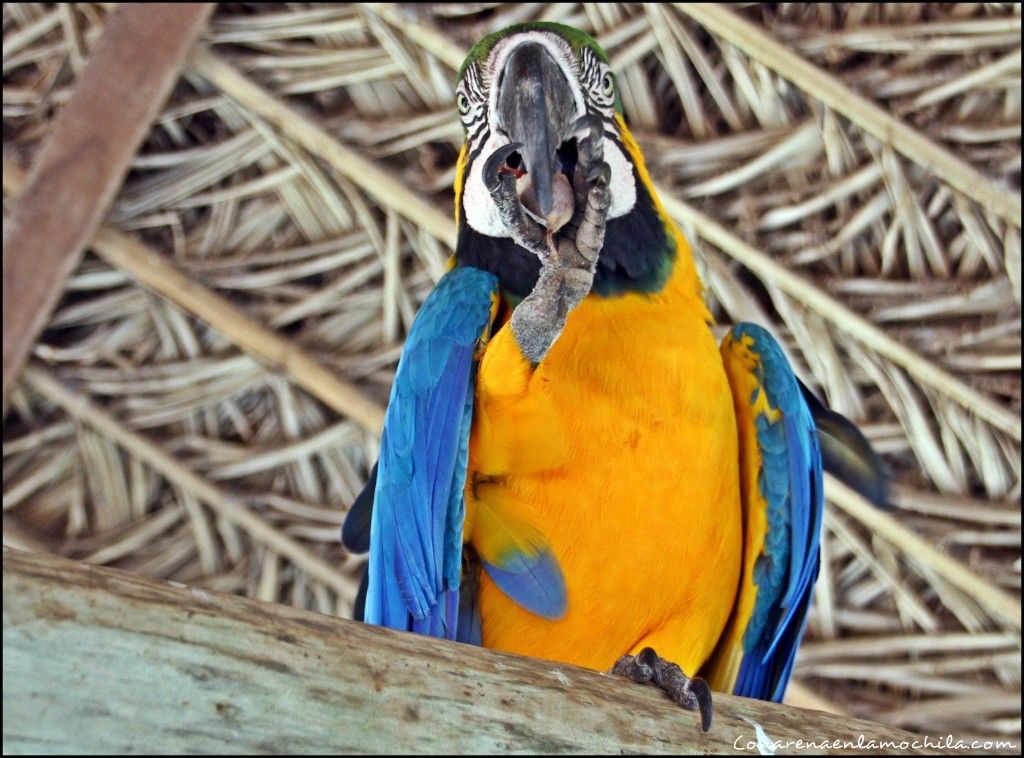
(536, 108)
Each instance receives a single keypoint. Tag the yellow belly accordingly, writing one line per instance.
(621, 448)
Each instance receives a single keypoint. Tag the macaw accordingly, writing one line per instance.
(570, 468)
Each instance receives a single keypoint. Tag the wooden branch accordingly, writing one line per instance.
(153, 271)
(101, 661)
(84, 158)
(996, 602)
(834, 93)
(843, 318)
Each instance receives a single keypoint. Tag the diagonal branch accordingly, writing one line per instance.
(835, 94)
(163, 463)
(153, 271)
(83, 160)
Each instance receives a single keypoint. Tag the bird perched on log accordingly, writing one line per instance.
(570, 467)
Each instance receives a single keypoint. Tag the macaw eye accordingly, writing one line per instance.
(608, 84)
(463, 104)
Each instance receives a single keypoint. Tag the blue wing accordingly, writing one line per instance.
(418, 506)
(781, 486)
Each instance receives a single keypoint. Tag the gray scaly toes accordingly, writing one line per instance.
(693, 694)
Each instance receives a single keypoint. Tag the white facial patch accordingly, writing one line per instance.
(622, 184)
(481, 211)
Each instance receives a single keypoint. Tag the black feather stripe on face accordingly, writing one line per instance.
(475, 121)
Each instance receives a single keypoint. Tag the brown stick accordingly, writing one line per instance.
(219, 500)
(83, 161)
(154, 271)
(722, 21)
(100, 661)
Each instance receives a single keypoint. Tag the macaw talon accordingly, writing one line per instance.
(567, 270)
(590, 148)
(693, 694)
(568, 255)
(592, 173)
(599, 174)
(539, 318)
(589, 237)
(502, 185)
(492, 173)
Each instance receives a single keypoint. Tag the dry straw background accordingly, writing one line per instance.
(188, 421)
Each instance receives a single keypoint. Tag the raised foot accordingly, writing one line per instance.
(647, 666)
(568, 253)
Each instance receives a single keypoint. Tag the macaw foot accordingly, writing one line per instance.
(568, 253)
(647, 666)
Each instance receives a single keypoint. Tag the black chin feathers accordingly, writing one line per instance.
(516, 269)
(637, 255)
(638, 250)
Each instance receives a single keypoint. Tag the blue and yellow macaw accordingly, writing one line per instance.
(570, 468)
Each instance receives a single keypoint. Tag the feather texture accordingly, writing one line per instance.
(783, 504)
(419, 503)
(846, 452)
(515, 554)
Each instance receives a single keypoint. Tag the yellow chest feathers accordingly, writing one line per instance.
(620, 448)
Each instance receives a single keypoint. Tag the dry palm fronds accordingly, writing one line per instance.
(302, 171)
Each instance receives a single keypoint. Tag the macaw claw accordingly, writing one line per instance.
(568, 262)
(502, 185)
(588, 128)
(492, 173)
(568, 251)
(589, 225)
(693, 694)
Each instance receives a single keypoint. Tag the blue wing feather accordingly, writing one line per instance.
(418, 505)
(791, 483)
(456, 511)
(534, 583)
(470, 626)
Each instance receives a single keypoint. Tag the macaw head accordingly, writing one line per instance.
(530, 85)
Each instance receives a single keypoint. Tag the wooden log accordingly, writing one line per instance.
(84, 158)
(98, 660)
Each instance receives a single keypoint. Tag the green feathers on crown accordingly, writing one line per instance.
(577, 40)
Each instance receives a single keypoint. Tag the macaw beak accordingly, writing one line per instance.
(536, 108)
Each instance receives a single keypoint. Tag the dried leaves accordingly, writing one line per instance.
(246, 205)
